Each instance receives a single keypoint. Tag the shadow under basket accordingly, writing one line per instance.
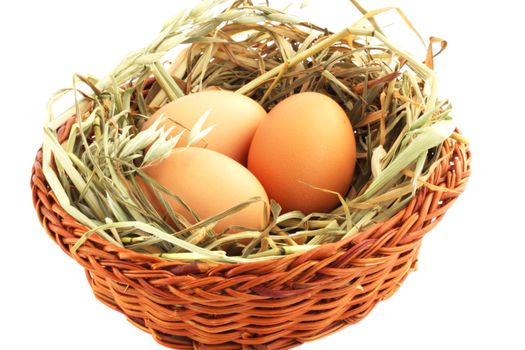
(276, 304)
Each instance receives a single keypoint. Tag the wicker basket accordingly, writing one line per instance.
(263, 305)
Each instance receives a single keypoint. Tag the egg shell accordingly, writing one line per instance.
(235, 116)
(306, 139)
(209, 183)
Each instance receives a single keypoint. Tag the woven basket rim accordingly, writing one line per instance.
(321, 250)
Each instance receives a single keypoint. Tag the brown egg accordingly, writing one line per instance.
(209, 183)
(235, 116)
(306, 139)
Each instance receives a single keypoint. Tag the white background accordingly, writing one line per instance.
(468, 292)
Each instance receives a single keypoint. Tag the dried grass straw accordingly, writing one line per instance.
(93, 151)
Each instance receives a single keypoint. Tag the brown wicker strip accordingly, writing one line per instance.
(262, 305)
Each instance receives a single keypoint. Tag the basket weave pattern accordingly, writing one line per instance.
(275, 304)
